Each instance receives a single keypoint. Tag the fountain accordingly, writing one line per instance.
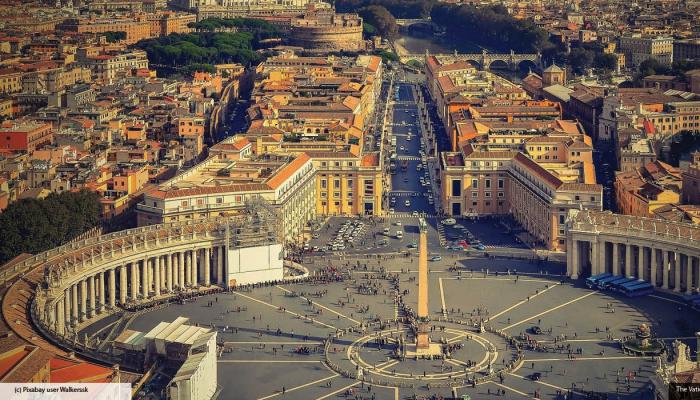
(643, 343)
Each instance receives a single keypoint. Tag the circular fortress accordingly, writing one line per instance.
(324, 30)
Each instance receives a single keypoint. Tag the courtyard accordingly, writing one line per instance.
(273, 336)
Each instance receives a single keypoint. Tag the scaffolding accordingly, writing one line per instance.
(258, 225)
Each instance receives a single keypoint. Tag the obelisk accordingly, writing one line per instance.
(422, 339)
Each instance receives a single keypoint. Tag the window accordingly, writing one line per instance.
(219, 200)
(488, 194)
(500, 183)
(475, 194)
(487, 183)
(561, 219)
(500, 194)
(475, 183)
(337, 203)
(488, 203)
(336, 184)
(577, 198)
(369, 187)
(184, 203)
(323, 184)
(474, 203)
(200, 202)
(593, 198)
(336, 194)
(349, 183)
(456, 187)
(324, 194)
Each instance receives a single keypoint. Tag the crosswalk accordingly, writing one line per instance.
(441, 234)
(408, 158)
(399, 215)
(405, 194)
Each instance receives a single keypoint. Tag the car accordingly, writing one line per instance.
(449, 221)
(480, 247)
(458, 226)
(386, 231)
(402, 148)
(407, 203)
(413, 245)
(391, 211)
(315, 236)
(397, 223)
(535, 376)
(315, 248)
(419, 167)
(536, 330)
(399, 235)
(306, 246)
(435, 258)
(414, 213)
(456, 248)
(408, 138)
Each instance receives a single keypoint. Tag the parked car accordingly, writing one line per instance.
(449, 221)
(435, 258)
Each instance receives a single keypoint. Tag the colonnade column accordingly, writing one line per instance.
(122, 285)
(67, 307)
(91, 296)
(193, 267)
(220, 265)
(74, 304)
(689, 274)
(665, 269)
(134, 280)
(207, 276)
(188, 269)
(615, 259)
(156, 267)
(652, 261)
(678, 267)
(103, 294)
(594, 258)
(145, 280)
(576, 259)
(60, 316)
(697, 273)
(169, 272)
(641, 267)
(83, 300)
(112, 288)
(181, 270)
(628, 261)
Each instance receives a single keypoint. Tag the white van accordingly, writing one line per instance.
(399, 235)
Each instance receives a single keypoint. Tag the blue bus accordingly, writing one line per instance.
(602, 282)
(609, 284)
(619, 284)
(640, 289)
(593, 280)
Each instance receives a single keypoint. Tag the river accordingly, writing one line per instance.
(418, 45)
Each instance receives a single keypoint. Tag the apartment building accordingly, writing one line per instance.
(536, 180)
(638, 49)
(641, 191)
(24, 135)
(222, 186)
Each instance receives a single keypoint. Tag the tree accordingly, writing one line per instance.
(605, 61)
(115, 36)
(381, 19)
(32, 225)
(368, 29)
(580, 59)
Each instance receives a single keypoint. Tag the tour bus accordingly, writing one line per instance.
(639, 289)
(613, 283)
(621, 286)
(600, 284)
(393, 141)
(593, 280)
(620, 283)
(392, 167)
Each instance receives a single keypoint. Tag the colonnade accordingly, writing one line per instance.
(153, 275)
(667, 268)
(665, 254)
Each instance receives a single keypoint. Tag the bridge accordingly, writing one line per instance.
(483, 60)
(409, 22)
